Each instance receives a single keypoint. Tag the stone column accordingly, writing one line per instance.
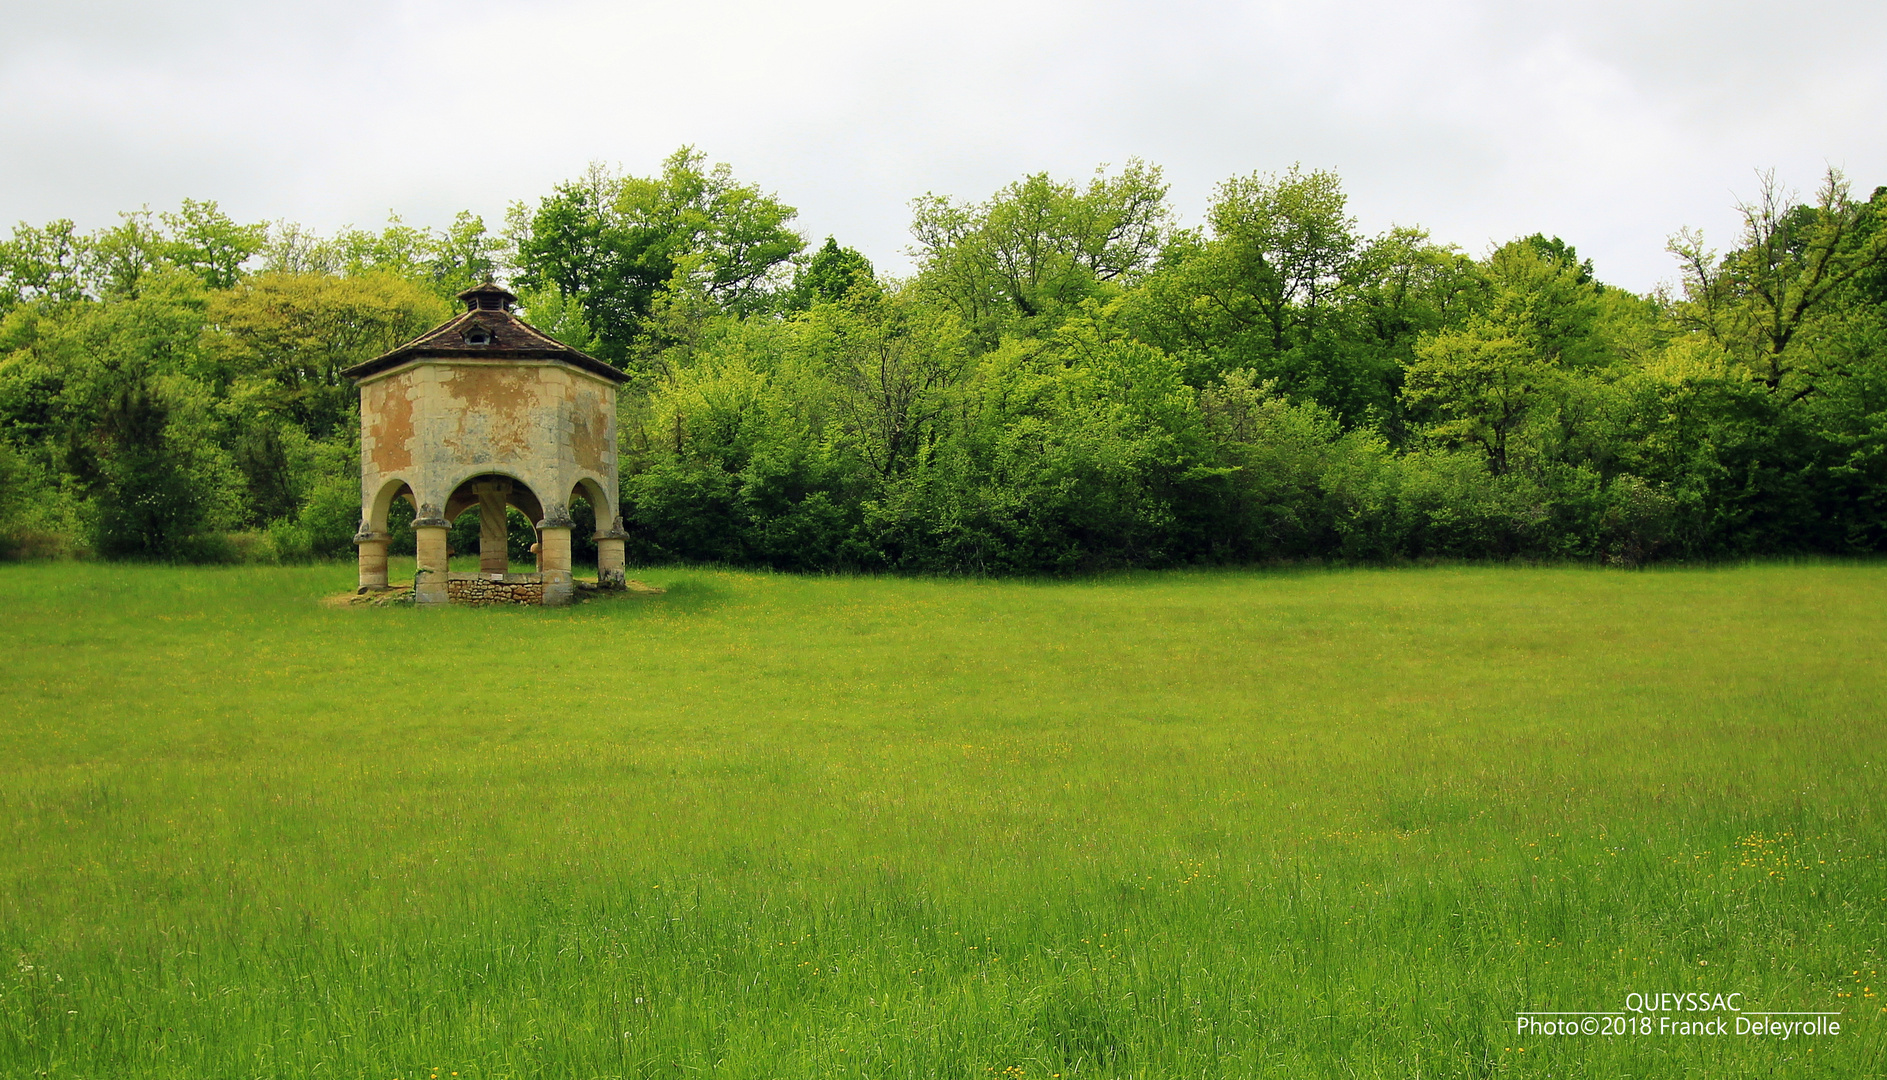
(429, 580)
(553, 537)
(373, 560)
(610, 563)
(492, 557)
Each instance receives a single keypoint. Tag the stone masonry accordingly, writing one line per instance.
(476, 589)
(484, 413)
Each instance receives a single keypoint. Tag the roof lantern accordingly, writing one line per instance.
(488, 297)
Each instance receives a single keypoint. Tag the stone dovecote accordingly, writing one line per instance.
(484, 413)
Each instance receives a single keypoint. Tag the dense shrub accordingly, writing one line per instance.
(1067, 383)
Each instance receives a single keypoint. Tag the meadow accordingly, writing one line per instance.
(1340, 823)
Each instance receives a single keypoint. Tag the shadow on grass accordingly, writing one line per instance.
(690, 594)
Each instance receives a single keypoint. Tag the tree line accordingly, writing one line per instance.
(1071, 379)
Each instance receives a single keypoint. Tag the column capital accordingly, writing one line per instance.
(556, 516)
(430, 517)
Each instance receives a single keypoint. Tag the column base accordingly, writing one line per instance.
(609, 561)
(559, 588)
(429, 587)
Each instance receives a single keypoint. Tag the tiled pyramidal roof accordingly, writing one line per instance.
(488, 330)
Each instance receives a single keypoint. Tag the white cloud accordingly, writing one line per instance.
(1610, 124)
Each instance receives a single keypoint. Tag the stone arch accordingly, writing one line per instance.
(609, 535)
(491, 492)
(584, 534)
(373, 517)
(522, 494)
(602, 504)
(371, 540)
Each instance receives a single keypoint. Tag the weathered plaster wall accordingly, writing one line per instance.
(435, 424)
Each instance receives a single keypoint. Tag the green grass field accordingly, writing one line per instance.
(1292, 824)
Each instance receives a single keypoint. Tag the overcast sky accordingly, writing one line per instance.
(1610, 124)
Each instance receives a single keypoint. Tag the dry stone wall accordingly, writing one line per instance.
(477, 589)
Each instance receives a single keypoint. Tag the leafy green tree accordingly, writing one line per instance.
(1476, 386)
(465, 255)
(830, 274)
(46, 263)
(614, 243)
(1559, 252)
(294, 333)
(1284, 245)
(121, 259)
(261, 454)
(1023, 259)
(295, 249)
(398, 249)
(147, 507)
(1269, 471)
(741, 233)
(1792, 420)
(559, 316)
(892, 362)
(1400, 287)
(70, 358)
(738, 454)
(1481, 383)
(131, 427)
(1071, 453)
(446, 262)
(567, 244)
(208, 243)
(1283, 288)
(1793, 261)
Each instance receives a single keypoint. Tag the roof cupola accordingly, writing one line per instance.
(488, 297)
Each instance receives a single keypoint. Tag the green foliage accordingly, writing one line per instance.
(443, 263)
(1323, 395)
(173, 410)
(1284, 244)
(1073, 454)
(889, 364)
(830, 274)
(559, 316)
(148, 505)
(1794, 263)
(330, 506)
(123, 258)
(42, 264)
(24, 499)
(1527, 383)
(465, 255)
(291, 335)
(463, 538)
(1285, 288)
(57, 264)
(614, 243)
(1069, 382)
(1026, 258)
(206, 242)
